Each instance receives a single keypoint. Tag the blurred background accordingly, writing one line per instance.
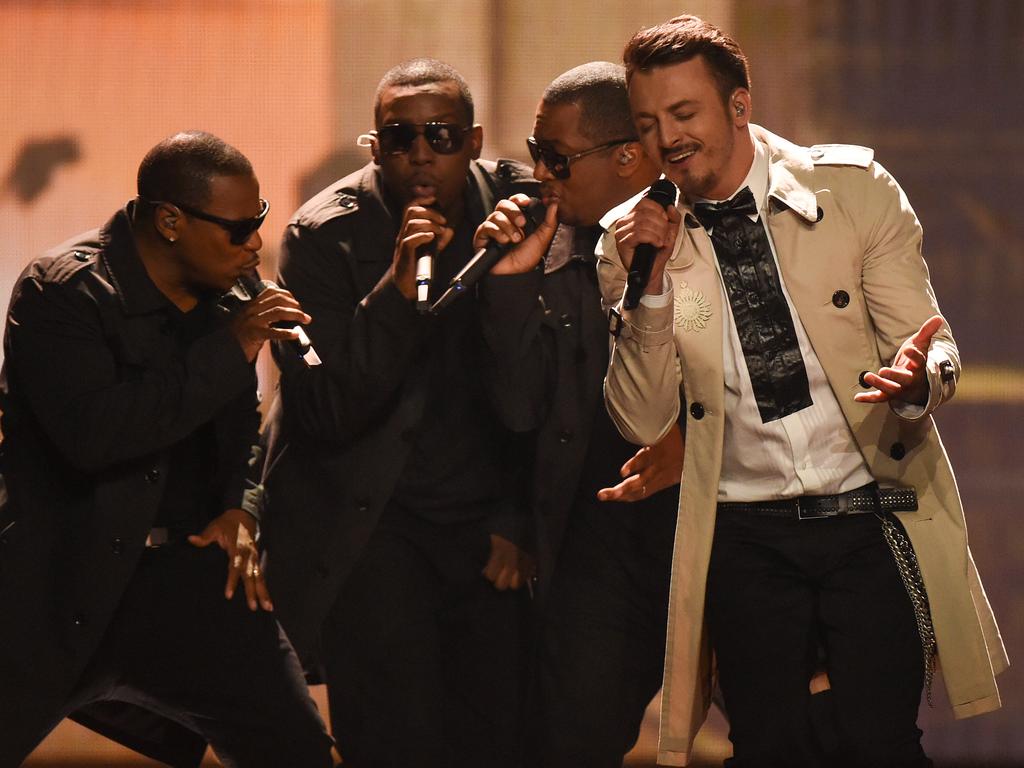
(88, 86)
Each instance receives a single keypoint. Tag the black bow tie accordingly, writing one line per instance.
(741, 204)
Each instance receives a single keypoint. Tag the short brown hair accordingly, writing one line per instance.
(684, 38)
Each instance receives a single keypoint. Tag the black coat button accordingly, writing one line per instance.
(79, 620)
(841, 299)
(861, 379)
(898, 451)
(565, 436)
(321, 571)
(153, 475)
(565, 321)
(697, 411)
(117, 545)
(408, 434)
(362, 507)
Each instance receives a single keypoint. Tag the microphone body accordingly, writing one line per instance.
(663, 192)
(424, 274)
(251, 286)
(484, 259)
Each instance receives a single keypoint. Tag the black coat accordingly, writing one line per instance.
(339, 434)
(549, 342)
(94, 391)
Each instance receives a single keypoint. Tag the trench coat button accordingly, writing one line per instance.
(565, 321)
(117, 545)
(861, 379)
(697, 411)
(565, 436)
(821, 215)
(816, 154)
(840, 299)
(898, 451)
(79, 620)
(153, 475)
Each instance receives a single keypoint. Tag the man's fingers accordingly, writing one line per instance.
(200, 540)
(414, 240)
(249, 582)
(923, 338)
(900, 375)
(262, 593)
(630, 489)
(873, 396)
(235, 562)
(639, 462)
(883, 384)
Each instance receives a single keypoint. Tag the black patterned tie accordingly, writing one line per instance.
(763, 320)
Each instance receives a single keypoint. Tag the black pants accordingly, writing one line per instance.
(424, 657)
(602, 636)
(779, 587)
(177, 647)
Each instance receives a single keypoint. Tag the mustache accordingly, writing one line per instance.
(679, 149)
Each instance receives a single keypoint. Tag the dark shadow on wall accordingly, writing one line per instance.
(36, 163)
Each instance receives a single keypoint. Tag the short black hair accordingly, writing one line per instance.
(180, 168)
(423, 71)
(598, 88)
(684, 38)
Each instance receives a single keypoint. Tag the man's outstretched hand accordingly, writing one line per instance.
(906, 379)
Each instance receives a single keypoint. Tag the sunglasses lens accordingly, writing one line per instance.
(557, 164)
(444, 138)
(397, 138)
(241, 231)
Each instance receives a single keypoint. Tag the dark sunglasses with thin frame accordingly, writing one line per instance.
(558, 163)
(443, 138)
(239, 230)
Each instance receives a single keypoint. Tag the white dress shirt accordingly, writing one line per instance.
(809, 452)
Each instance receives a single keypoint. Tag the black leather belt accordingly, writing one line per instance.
(867, 498)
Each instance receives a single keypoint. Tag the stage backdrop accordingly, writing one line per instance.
(87, 86)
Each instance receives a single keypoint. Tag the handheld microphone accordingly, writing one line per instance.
(484, 259)
(424, 274)
(250, 286)
(663, 192)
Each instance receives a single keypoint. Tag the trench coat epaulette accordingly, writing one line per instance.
(841, 154)
(328, 205)
(66, 265)
(513, 172)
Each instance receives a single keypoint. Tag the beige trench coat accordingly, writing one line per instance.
(868, 245)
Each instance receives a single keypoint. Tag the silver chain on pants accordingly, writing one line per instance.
(910, 573)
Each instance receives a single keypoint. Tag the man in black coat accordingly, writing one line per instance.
(129, 416)
(604, 565)
(394, 538)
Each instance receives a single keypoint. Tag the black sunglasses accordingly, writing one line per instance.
(239, 230)
(558, 163)
(443, 138)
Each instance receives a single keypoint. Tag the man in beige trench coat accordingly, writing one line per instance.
(789, 294)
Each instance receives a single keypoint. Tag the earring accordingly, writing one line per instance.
(625, 158)
(740, 109)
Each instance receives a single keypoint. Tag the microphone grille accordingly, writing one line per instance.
(663, 192)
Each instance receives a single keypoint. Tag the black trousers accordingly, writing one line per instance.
(177, 647)
(777, 588)
(602, 633)
(425, 659)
